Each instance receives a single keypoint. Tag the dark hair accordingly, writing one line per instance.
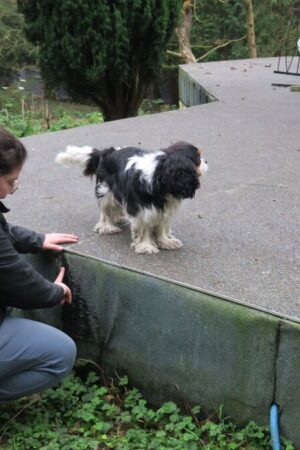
(12, 152)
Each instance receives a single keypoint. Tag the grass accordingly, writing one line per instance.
(87, 414)
(24, 114)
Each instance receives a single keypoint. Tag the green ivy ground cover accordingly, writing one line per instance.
(85, 413)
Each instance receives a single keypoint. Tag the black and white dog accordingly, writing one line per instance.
(141, 187)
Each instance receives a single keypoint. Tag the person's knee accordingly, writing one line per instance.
(59, 354)
(65, 357)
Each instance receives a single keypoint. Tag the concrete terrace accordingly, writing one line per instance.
(241, 233)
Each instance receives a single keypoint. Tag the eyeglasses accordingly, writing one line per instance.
(13, 184)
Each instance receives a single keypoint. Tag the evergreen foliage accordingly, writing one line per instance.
(106, 50)
(15, 51)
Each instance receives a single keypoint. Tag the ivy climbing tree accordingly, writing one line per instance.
(105, 50)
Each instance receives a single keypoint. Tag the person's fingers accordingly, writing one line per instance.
(52, 239)
(66, 238)
(57, 238)
(54, 247)
(60, 275)
(67, 298)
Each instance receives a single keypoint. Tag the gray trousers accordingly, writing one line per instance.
(33, 357)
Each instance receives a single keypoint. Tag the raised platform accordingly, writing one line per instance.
(241, 233)
(176, 339)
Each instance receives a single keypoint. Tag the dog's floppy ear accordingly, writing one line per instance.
(94, 162)
(178, 178)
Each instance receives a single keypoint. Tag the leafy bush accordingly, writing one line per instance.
(85, 415)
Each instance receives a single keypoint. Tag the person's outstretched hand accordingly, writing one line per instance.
(53, 239)
(67, 297)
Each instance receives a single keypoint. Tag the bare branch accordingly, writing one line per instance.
(178, 55)
(224, 44)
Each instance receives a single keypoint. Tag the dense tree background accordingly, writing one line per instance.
(98, 42)
(106, 50)
(217, 23)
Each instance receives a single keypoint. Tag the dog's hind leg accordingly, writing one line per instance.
(104, 226)
(110, 213)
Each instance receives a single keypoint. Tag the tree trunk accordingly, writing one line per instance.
(127, 105)
(250, 29)
(184, 31)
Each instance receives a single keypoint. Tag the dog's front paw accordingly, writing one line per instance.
(122, 220)
(169, 244)
(145, 247)
(101, 228)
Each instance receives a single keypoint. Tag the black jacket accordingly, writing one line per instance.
(21, 286)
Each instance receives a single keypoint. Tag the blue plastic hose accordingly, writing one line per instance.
(274, 426)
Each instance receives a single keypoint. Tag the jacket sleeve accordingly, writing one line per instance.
(25, 241)
(21, 286)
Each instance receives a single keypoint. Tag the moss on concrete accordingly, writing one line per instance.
(178, 343)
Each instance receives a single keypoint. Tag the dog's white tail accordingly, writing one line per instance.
(74, 155)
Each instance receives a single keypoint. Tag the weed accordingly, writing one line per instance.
(85, 415)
